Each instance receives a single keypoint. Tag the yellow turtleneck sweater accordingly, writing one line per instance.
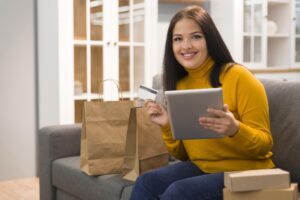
(251, 147)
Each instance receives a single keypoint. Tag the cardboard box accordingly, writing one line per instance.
(290, 193)
(257, 179)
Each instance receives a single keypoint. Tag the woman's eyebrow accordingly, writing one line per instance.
(196, 32)
(177, 34)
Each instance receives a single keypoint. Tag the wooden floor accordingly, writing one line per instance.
(22, 189)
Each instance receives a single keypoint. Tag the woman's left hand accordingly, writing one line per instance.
(224, 123)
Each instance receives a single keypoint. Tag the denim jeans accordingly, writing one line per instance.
(180, 181)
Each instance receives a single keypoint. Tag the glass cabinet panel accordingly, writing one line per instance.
(253, 31)
(247, 16)
(96, 20)
(124, 71)
(138, 20)
(80, 83)
(138, 67)
(258, 22)
(297, 9)
(297, 31)
(124, 20)
(297, 50)
(257, 49)
(96, 69)
(80, 19)
(247, 50)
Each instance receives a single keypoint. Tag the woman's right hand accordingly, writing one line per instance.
(157, 113)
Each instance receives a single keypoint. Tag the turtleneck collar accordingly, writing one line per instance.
(202, 70)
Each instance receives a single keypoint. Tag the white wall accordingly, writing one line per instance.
(48, 63)
(226, 24)
(17, 90)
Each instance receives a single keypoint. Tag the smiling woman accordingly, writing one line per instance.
(196, 57)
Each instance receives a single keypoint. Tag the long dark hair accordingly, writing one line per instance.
(217, 50)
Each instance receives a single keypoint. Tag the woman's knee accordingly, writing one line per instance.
(174, 191)
(148, 182)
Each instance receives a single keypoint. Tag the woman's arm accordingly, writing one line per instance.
(159, 115)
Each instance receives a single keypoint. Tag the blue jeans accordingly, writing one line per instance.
(180, 181)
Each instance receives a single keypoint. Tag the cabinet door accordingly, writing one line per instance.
(88, 49)
(254, 41)
(131, 22)
(110, 44)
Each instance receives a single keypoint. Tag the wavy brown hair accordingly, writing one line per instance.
(217, 50)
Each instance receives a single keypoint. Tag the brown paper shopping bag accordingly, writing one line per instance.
(145, 149)
(103, 136)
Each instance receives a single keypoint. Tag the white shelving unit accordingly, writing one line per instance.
(261, 34)
(96, 40)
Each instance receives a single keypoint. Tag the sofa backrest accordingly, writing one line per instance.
(284, 106)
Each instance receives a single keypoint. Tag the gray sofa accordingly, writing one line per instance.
(59, 149)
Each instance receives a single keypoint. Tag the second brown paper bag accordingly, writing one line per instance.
(144, 149)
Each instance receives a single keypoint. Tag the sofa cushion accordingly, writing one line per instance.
(284, 105)
(62, 195)
(67, 176)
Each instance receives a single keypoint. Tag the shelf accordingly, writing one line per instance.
(278, 36)
(183, 1)
(275, 2)
(135, 44)
(95, 96)
(248, 34)
(275, 70)
(84, 43)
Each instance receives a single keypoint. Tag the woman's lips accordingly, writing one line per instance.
(189, 55)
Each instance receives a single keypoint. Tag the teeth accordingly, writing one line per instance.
(188, 54)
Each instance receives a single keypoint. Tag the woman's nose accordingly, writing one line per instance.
(186, 44)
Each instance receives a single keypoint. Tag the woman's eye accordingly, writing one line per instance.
(196, 37)
(177, 39)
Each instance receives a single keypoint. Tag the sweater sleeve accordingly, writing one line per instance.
(254, 135)
(175, 147)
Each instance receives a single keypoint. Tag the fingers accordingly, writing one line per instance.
(153, 108)
(216, 112)
(222, 122)
(209, 121)
(226, 108)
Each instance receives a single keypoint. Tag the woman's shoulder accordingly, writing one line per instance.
(235, 71)
(236, 68)
(238, 74)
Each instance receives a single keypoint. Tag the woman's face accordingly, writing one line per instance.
(189, 44)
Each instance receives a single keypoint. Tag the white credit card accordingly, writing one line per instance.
(145, 93)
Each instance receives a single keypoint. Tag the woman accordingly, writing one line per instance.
(197, 57)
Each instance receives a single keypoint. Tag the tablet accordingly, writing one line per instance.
(186, 106)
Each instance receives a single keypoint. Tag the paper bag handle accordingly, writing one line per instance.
(116, 84)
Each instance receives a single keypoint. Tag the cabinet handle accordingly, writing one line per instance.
(115, 43)
(108, 43)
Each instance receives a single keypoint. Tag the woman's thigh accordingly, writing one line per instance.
(202, 187)
(152, 184)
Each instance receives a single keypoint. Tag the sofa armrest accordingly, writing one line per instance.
(55, 142)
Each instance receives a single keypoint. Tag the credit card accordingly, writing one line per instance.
(145, 93)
